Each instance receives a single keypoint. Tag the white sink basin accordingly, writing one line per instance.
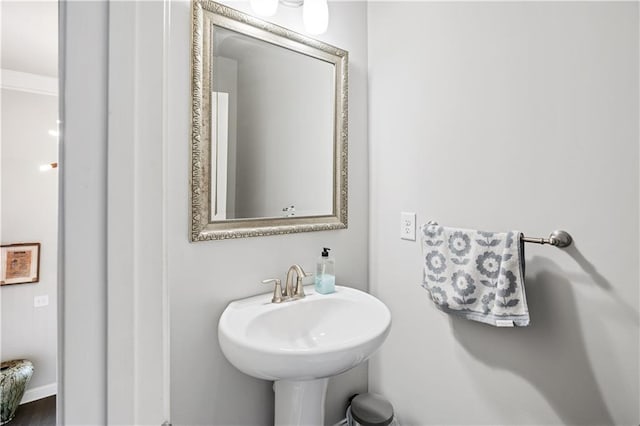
(300, 344)
(315, 337)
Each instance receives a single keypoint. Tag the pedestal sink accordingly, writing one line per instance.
(300, 344)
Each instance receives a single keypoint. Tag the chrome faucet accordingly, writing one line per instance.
(298, 292)
(289, 292)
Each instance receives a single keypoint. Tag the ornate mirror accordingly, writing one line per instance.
(269, 128)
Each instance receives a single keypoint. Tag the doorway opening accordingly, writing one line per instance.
(29, 134)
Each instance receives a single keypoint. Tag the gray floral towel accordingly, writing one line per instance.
(476, 275)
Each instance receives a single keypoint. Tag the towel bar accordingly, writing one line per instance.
(557, 238)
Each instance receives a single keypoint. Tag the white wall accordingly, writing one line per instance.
(115, 313)
(204, 277)
(30, 214)
(504, 116)
(83, 168)
(29, 40)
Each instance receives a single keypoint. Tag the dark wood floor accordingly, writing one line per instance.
(41, 412)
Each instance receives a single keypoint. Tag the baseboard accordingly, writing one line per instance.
(39, 393)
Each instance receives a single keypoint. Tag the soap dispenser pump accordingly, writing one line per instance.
(325, 280)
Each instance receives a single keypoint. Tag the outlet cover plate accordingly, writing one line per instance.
(40, 301)
(408, 226)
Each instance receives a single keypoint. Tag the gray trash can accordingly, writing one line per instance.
(369, 409)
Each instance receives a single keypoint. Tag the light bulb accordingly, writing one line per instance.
(264, 7)
(315, 15)
(45, 167)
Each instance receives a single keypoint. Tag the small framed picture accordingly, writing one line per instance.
(20, 263)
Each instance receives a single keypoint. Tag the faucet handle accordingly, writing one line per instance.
(277, 291)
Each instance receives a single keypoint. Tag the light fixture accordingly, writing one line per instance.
(49, 166)
(315, 13)
(264, 7)
(292, 3)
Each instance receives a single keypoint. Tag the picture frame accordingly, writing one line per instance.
(19, 263)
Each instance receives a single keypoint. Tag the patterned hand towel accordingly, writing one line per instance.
(476, 275)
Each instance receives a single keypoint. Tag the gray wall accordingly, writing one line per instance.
(204, 277)
(280, 142)
(519, 81)
(504, 116)
(30, 214)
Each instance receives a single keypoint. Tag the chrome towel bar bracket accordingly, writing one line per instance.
(557, 238)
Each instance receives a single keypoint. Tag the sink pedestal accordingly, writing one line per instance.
(300, 402)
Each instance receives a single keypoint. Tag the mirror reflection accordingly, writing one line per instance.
(273, 129)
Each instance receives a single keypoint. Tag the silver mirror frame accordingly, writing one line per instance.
(204, 14)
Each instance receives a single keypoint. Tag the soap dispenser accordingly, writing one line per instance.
(325, 280)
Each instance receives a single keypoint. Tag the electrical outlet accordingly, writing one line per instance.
(40, 301)
(408, 226)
